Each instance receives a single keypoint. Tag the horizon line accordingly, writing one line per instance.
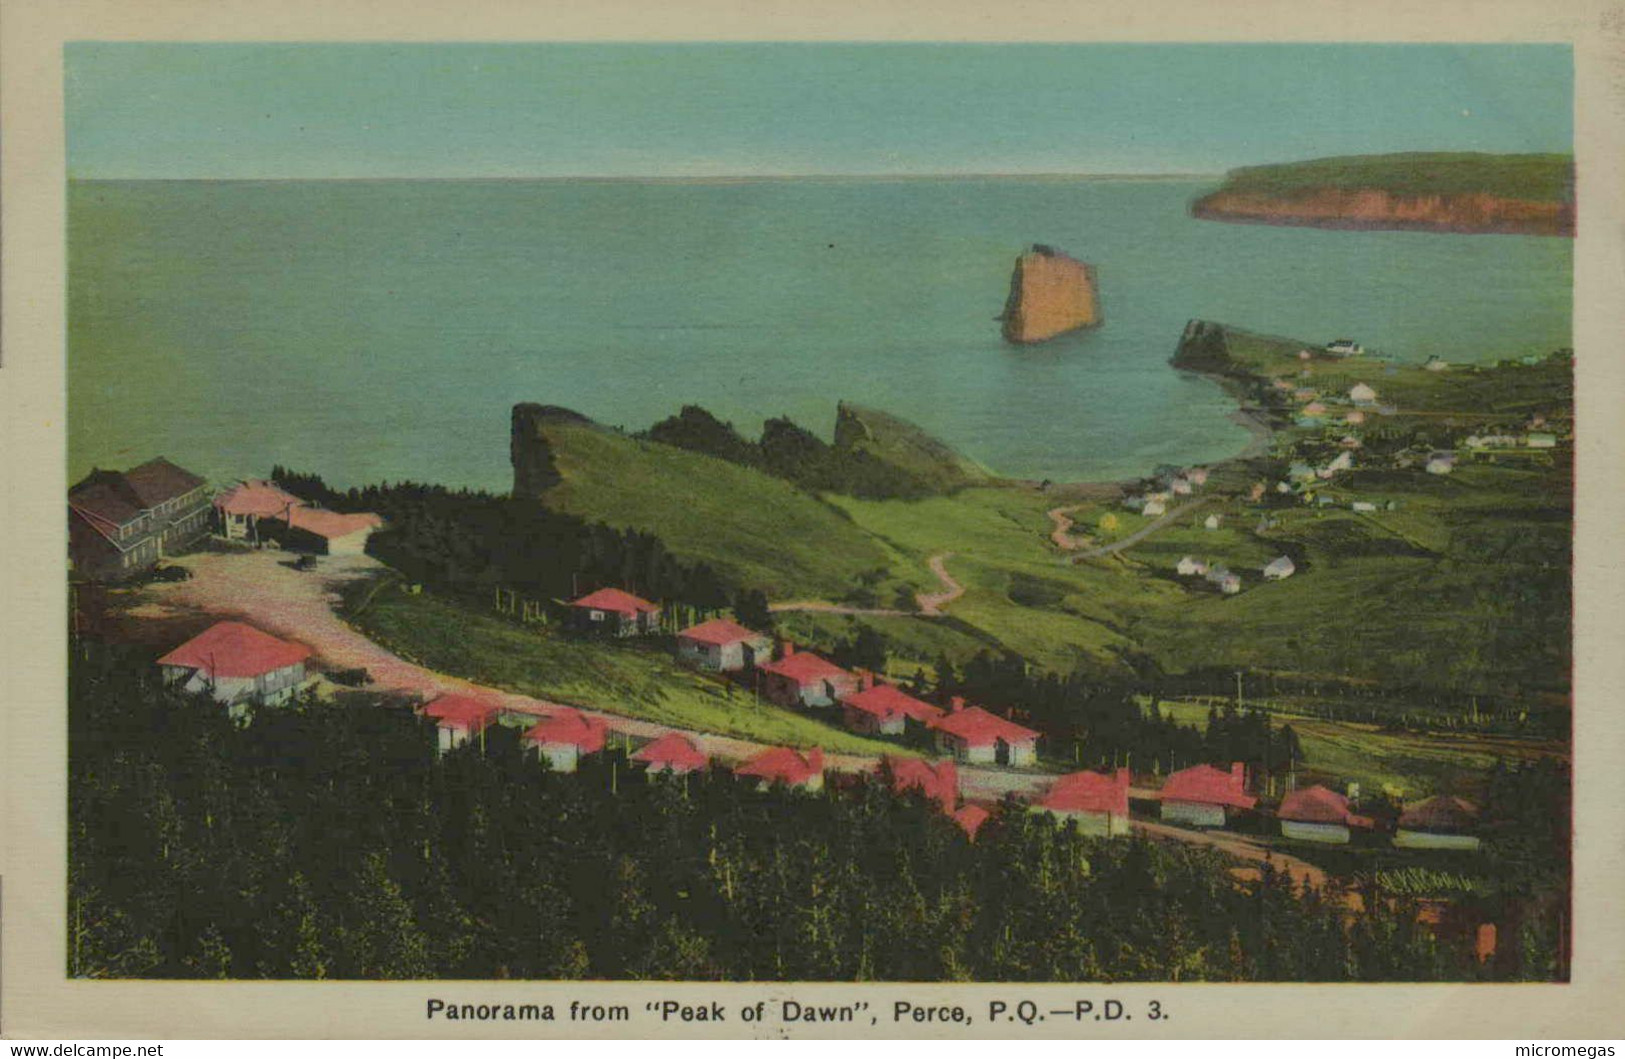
(720, 178)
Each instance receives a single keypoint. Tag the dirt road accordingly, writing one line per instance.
(1138, 535)
(930, 603)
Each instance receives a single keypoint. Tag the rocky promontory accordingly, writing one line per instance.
(1460, 193)
(1050, 294)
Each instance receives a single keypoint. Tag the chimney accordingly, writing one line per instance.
(866, 679)
(786, 648)
(1122, 777)
(815, 759)
(956, 704)
(1238, 775)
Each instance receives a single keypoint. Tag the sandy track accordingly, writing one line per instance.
(1138, 535)
(930, 603)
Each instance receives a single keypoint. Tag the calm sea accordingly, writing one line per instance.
(381, 329)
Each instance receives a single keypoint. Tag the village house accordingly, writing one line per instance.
(1441, 463)
(1202, 795)
(789, 767)
(242, 507)
(1190, 567)
(1363, 506)
(1154, 508)
(238, 665)
(673, 753)
(1540, 441)
(1362, 395)
(883, 709)
(1314, 408)
(565, 737)
(970, 818)
(326, 532)
(972, 734)
(1096, 801)
(1354, 418)
(459, 718)
(1226, 582)
(1197, 475)
(1279, 568)
(1437, 363)
(1256, 493)
(801, 678)
(1180, 487)
(1440, 822)
(1213, 522)
(1318, 814)
(257, 511)
(121, 523)
(1349, 441)
(722, 646)
(612, 612)
(1344, 347)
(939, 783)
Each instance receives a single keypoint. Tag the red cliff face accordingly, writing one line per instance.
(1375, 209)
(1050, 294)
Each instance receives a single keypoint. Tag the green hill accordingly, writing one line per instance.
(1530, 177)
(923, 458)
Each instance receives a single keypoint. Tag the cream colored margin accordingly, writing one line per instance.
(37, 999)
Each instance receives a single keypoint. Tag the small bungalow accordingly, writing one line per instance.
(884, 709)
(789, 767)
(801, 678)
(1213, 522)
(1441, 463)
(1153, 508)
(1349, 441)
(1097, 801)
(1314, 408)
(238, 665)
(939, 783)
(1363, 506)
(1190, 567)
(615, 612)
(1344, 347)
(565, 737)
(458, 718)
(1197, 475)
(241, 508)
(1300, 471)
(970, 818)
(1256, 493)
(1436, 363)
(1180, 487)
(1362, 395)
(1441, 822)
(972, 734)
(1229, 584)
(1343, 461)
(1540, 441)
(1354, 418)
(723, 646)
(330, 532)
(1318, 814)
(1202, 795)
(672, 753)
(1280, 568)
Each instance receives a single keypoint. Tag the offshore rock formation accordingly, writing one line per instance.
(1050, 294)
(1376, 209)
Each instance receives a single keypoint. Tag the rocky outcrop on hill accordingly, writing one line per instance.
(1050, 294)
(534, 470)
(1375, 209)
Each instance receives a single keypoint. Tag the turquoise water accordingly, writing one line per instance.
(382, 329)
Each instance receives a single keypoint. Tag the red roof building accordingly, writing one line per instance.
(971, 818)
(1318, 814)
(1097, 801)
(722, 646)
(566, 736)
(332, 532)
(884, 709)
(1202, 794)
(615, 612)
(1440, 822)
(459, 717)
(784, 765)
(801, 678)
(972, 734)
(939, 783)
(238, 664)
(673, 752)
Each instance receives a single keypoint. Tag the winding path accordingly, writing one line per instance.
(930, 603)
(1138, 535)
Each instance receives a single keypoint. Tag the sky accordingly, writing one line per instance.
(265, 111)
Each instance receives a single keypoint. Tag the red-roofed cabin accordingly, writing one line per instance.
(1318, 814)
(1097, 801)
(971, 818)
(614, 612)
(882, 709)
(565, 737)
(329, 532)
(246, 504)
(940, 782)
(789, 767)
(458, 718)
(801, 678)
(673, 752)
(1202, 795)
(722, 646)
(972, 734)
(1440, 822)
(239, 665)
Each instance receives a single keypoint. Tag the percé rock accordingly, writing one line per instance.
(534, 470)
(1050, 294)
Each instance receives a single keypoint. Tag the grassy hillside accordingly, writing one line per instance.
(757, 529)
(1530, 177)
(905, 446)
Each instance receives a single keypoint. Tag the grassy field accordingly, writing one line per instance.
(633, 680)
(1532, 177)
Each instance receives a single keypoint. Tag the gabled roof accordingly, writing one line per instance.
(232, 649)
(256, 497)
(940, 783)
(1442, 812)
(720, 632)
(885, 701)
(104, 497)
(971, 818)
(978, 727)
(1089, 792)
(567, 727)
(1319, 805)
(1208, 786)
(465, 713)
(673, 751)
(783, 763)
(159, 480)
(331, 524)
(613, 599)
(805, 668)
